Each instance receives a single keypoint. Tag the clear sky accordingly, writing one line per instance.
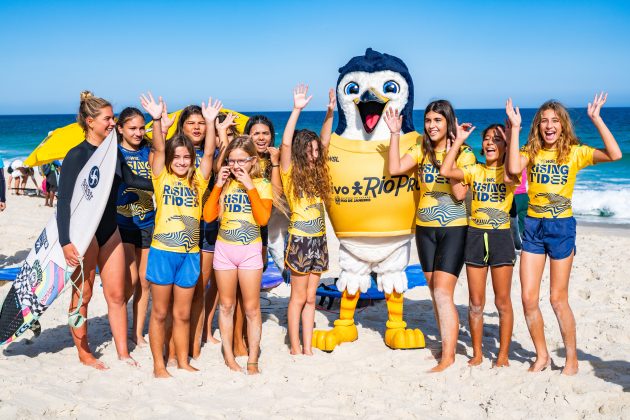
(250, 54)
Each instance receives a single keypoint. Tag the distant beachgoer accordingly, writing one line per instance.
(174, 264)
(242, 199)
(29, 173)
(51, 172)
(553, 156)
(16, 174)
(441, 222)
(96, 117)
(489, 243)
(3, 187)
(135, 216)
(306, 184)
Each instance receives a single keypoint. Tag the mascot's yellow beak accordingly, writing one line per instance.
(370, 105)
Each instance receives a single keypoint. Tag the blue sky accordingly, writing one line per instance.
(250, 54)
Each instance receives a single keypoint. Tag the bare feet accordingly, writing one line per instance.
(475, 361)
(501, 362)
(161, 373)
(295, 352)
(570, 368)
(444, 363)
(212, 340)
(240, 350)
(188, 367)
(129, 360)
(307, 352)
(540, 364)
(252, 368)
(233, 365)
(91, 361)
(139, 341)
(171, 363)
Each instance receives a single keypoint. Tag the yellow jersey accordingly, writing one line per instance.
(551, 184)
(438, 207)
(491, 196)
(238, 226)
(307, 216)
(178, 212)
(366, 200)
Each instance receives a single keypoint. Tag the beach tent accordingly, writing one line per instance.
(59, 141)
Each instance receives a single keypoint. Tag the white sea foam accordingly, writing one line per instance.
(608, 205)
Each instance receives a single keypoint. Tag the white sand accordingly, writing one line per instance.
(362, 379)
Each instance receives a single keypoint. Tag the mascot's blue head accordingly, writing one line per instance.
(366, 86)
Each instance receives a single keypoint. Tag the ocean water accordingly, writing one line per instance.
(602, 191)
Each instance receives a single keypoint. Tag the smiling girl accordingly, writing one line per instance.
(553, 156)
(173, 267)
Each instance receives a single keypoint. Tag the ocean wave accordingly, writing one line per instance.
(611, 204)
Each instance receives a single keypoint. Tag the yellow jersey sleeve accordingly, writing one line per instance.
(178, 213)
(583, 156)
(491, 196)
(415, 151)
(307, 216)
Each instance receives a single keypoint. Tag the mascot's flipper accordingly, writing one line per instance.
(397, 336)
(344, 330)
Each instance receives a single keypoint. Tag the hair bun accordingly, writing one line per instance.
(86, 94)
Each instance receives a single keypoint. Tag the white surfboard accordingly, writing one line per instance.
(42, 275)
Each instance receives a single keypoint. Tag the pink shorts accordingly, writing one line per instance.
(232, 257)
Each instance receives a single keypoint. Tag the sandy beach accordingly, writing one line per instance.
(43, 377)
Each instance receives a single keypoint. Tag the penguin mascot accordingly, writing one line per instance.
(372, 212)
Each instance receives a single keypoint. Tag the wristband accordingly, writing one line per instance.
(275, 166)
(157, 119)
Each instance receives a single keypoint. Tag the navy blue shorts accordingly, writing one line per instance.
(554, 237)
(178, 268)
(208, 233)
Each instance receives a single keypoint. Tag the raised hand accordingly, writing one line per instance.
(299, 96)
(211, 111)
(153, 108)
(222, 176)
(274, 155)
(500, 133)
(463, 132)
(166, 121)
(332, 100)
(226, 123)
(595, 106)
(393, 120)
(514, 114)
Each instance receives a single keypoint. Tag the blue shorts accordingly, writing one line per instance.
(554, 237)
(178, 268)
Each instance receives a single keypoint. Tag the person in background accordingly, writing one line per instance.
(51, 172)
(3, 187)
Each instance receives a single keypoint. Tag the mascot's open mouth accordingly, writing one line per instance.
(371, 108)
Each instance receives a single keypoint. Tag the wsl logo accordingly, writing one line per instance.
(91, 182)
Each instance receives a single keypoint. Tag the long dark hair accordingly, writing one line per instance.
(445, 109)
(124, 116)
(262, 119)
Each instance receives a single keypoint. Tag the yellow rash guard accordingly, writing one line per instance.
(178, 212)
(366, 200)
(307, 216)
(551, 184)
(238, 226)
(438, 207)
(491, 196)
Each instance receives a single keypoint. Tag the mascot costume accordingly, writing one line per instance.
(372, 212)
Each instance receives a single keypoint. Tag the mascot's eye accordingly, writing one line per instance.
(391, 87)
(351, 89)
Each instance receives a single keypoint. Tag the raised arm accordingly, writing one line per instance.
(155, 109)
(211, 208)
(396, 165)
(210, 114)
(222, 128)
(449, 168)
(515, 163)
(300, 100)
(326, 131)
(611, 151)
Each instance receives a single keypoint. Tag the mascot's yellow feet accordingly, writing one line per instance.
(400, 338)
(344, 332)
